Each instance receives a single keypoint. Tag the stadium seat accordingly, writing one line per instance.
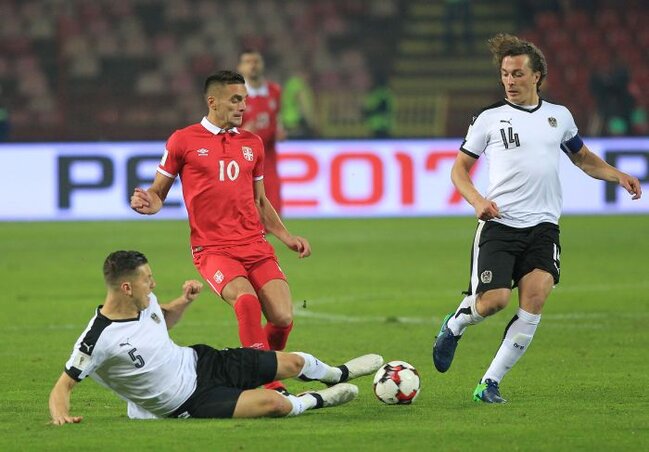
(577, 21)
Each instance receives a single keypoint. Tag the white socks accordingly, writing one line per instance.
(518, 336)
(301, 403)
(465, 315)
(314, 369)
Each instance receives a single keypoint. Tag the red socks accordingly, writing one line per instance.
(247, 308)
(248, 311)
(277, 335)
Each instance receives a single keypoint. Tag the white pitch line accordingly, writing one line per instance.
(341, 318)
(299, 311)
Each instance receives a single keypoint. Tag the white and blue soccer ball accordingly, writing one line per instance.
(397, 383)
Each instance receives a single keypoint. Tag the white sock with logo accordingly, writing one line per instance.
(518, 335)
(314, 369)
(465, 315)
(301, 403)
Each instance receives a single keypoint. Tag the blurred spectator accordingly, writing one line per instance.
(298, 109)
(615, 104)
(4, 122)
(261, 118)
(639, 121)
(458, 11)
(378, 109)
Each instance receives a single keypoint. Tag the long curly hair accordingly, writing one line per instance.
(504, 44)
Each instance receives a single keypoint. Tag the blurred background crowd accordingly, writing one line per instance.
(133, 69)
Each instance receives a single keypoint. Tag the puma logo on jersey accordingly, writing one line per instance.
(125, 343)
(507, 121)
(88, 347)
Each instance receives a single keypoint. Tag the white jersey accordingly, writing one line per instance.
(523, 148)
(137, 359)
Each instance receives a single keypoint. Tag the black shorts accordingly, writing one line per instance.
(222, 376)
(502, 255)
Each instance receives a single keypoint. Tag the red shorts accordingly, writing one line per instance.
(254, 261)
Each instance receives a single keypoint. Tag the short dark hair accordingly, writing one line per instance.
(504, 44)
(121, 263)
(224, 78)
(249, 50)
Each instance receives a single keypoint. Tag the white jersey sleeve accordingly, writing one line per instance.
(86, 357)
(571, 128)
(571, 143)
(477, 136)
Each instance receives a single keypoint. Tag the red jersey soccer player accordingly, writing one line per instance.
(264, 98)
(222, 170)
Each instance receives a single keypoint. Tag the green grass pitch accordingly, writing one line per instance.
(372, 285)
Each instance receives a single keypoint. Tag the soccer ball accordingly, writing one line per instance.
(396, 383)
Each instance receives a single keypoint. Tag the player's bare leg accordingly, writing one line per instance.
(494, 300)
(276, 302)
(307, 367)
(240, 294)
(262, 403)
(533, 290)
(269, 403)
(277, 306)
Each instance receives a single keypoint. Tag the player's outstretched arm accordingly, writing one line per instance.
(597, 168)
(174, 310)
(149, 202)
(60, 401)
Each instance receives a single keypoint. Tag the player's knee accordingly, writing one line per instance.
(291, 364)
(534, 304)
(276, 405)
(492, 303)
(282, 319)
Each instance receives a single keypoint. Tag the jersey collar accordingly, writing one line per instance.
(216, 129)
(99, 314)
(254, 92)
(528, 110)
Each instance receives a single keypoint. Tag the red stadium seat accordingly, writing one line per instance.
(589, 39)
(547, 21)
(618, 38)
(608, 19)
(577, 21)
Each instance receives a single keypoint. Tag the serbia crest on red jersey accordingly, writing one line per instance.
(247, 153)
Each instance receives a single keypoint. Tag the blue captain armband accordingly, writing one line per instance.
(573, 145)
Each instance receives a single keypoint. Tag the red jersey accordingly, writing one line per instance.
(262, 109)
(217, 169)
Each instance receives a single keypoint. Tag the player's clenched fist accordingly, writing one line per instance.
(191, 289)
(144, 202)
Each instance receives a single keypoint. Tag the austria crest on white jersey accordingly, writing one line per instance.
(523, 147)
